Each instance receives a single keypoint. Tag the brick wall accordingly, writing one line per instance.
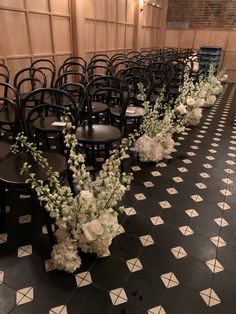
(184, 14)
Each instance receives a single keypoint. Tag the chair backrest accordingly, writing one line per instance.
(110, 90)
(4, 73)
(100, 56)
(10, 103)
(50, 102)
(78, 92)
(29, 79)
(163, 74)
(71, 66)
(76, 59)
(48, 68)
(72, 77)
(135, 75)
(94, 71)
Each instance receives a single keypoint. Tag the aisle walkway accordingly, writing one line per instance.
(178, 254)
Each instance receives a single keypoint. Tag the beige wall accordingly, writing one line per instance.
(197, 37)
(111, 26)
(32, 29)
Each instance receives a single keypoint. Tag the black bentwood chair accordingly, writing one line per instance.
(100, 137)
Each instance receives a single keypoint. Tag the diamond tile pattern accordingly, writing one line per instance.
(177, 248)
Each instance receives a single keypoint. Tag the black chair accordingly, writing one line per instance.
(99, 138)
(5, 149)
(100, 56)
(43, 121)
(48, 68)
(76, 59)
(71, 66)
(29, 79)
(71, 77)
(163, 74)
(9, 108)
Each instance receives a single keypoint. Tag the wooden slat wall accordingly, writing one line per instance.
(196, 38)
(152, 27)
(109, 26)
(33, 29)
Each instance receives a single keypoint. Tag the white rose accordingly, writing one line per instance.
(190, 101)
(200, 102)
(202, 93)
(210, 100)
(182, 109)
(92, 229)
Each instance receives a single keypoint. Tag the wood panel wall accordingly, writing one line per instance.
(34, 29)
(198, 37)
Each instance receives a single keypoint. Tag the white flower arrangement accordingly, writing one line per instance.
(212, 86)
(191, 99)
(87, 221)
(158, 125)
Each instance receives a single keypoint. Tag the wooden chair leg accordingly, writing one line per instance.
(2, 207)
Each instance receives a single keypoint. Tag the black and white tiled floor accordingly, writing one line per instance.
(178, 252)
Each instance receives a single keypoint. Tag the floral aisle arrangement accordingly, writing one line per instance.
(87, 221)
(212, 87)
(191, 99)
(158, 126)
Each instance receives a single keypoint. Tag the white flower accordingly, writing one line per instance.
(202, 93)
(86, 196)
(190, 101)
(210, 100)
(200, 102)
(217, 90)
(182, 109)
(92, 229)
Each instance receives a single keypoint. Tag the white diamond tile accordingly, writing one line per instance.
(229, 171)
(204, 175)
(24, 219)
(24, 295)
(83, 279)
(156, 173)
(148, 184)
(157, 310)
(225, 192)
(215, 266)
(207, 166)
(24, 251)
(210, 297)
(196, 198)
(191, 154)
(169, 280)
(146, 240)
(165, 204)
(221, 222)
(191, 212)
(134, 264)
(49, 265)
(210, 157)
(61, 309)
(140, 196)
(118, 296)
(218, 241)
(3, 238)
(1, 277)
(157, 220)
(136, 168)
(129, 211)
(186, 230)
(227, 181)
(172, 191)
(187, 161)
(201, 186)
(182, 169)
(223, 206)
(162, 164)
(177, 179)
(179, 252)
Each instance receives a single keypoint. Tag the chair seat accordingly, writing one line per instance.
(11, 166)
(5, 149)
(131, 112)
(98, 107)
(45, 124)
(98, 134)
